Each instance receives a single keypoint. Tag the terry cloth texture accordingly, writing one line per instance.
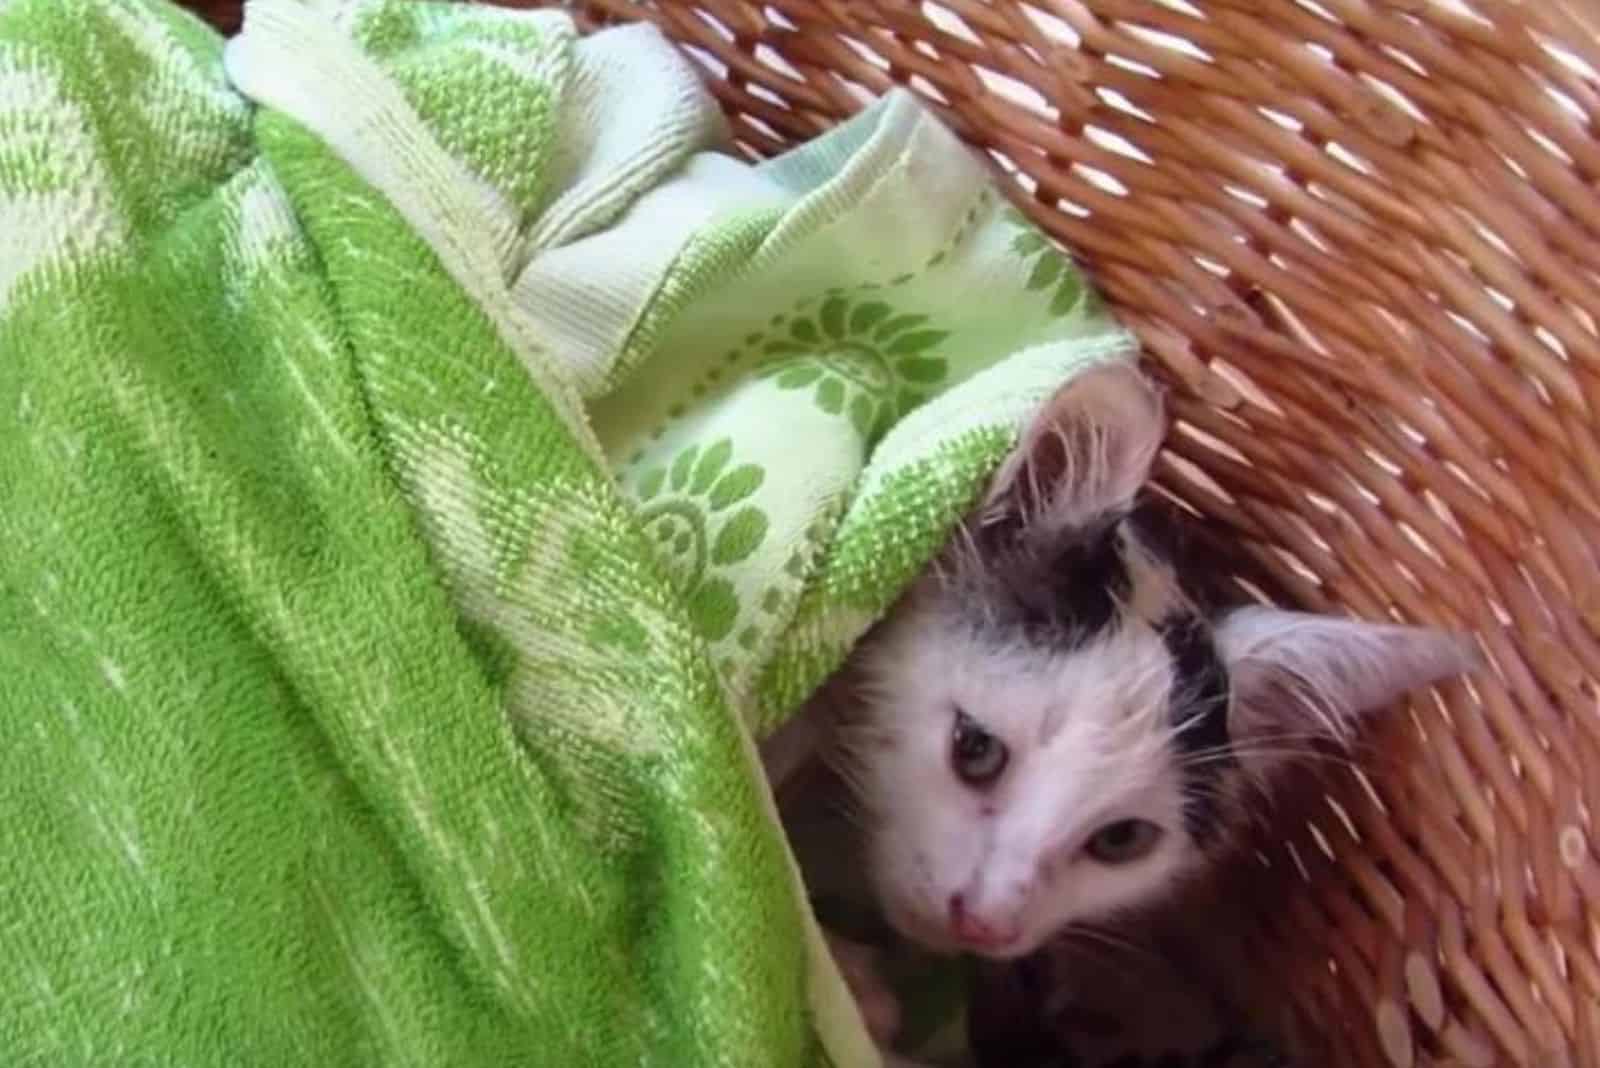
(428, 459)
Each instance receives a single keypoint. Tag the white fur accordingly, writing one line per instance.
(1088, 728)
(1089, 744)
(1088, 725)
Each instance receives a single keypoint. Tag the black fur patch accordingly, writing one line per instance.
(1063, 591)
(1062, 594)
(1199, 709)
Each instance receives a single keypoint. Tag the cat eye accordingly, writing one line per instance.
(977, 756)
(1124, 841)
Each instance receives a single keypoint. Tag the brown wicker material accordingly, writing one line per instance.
(1361, 240)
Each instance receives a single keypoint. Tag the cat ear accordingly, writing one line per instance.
(1087, 452)
(1295, 675)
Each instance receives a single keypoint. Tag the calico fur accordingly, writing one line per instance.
(1125, 683)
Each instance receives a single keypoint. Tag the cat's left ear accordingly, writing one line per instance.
(1295, 675)
(1087, 452)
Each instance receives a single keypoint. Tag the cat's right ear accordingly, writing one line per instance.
(1294, 675)
(1086, 454)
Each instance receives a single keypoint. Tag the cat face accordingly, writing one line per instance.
(1052, 729)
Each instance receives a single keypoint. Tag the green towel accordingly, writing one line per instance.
(428, 457)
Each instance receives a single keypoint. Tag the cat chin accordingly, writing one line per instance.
(932, 937)
(1022, 947)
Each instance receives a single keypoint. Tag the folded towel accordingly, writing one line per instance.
(428, 460)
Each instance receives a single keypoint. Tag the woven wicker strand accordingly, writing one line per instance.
(1361, 241)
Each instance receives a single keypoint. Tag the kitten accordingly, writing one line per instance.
(1058, 722)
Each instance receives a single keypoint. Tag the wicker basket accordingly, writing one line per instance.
(1361, 240)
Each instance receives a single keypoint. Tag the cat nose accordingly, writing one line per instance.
(981, 932)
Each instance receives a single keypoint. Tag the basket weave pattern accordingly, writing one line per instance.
(1360, 239)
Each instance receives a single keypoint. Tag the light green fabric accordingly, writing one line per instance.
(425, 462)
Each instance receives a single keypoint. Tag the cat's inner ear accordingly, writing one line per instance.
(1087, 452)
(1296, 677)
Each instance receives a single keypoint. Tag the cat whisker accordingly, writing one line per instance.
(1107, 949)
(1108, 939)
(849, 807)
(1297, 755)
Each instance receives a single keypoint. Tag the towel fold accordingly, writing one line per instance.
(428, 458)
